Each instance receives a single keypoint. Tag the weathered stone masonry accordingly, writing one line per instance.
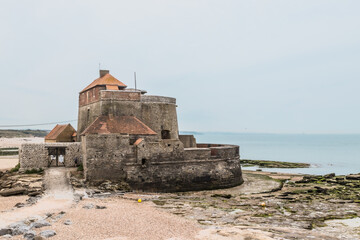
(37, 155)
(125, 135)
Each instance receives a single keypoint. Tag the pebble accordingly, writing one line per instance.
(100, 207)
(40, 223)
(30, 235)
(89, 206)
(19, 228)
(5, 231)
(68, 222)
(48, 233)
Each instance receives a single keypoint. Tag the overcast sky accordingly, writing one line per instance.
(235, 66)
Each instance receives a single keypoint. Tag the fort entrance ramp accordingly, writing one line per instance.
(58, 196)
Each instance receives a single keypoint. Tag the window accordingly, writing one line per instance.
(165, 134)
(88, 115)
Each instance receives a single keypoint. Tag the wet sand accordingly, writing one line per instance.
(8, 162)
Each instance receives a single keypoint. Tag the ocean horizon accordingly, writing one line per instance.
(326, 153)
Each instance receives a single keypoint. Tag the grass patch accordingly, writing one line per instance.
(34, 171)
(273, 164)
(16, 168)
(80, 168)
(159, 202)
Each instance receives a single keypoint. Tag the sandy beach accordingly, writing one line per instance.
(267, 206)
(8, 162)
(16, 142)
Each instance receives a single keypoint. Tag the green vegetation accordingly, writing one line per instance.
(9, 133)
(80, 168)
(227, 196)
(9, 151)
(34, 171)
(272, 164)
(16, 168)
(159, 202)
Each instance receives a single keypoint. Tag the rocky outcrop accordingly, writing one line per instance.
(15, 183)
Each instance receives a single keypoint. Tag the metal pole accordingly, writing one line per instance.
(135, 79)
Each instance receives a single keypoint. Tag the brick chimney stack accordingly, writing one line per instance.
(104, 72)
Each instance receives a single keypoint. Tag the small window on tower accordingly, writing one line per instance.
(88, 115)
(165, 134)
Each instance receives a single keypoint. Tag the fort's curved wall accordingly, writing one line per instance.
(188, 175)
(159, 166)
(159, 113)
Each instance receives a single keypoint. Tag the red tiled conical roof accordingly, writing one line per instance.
(107, 80)
(118, 124)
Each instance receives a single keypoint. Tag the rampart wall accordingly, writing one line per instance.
(159, 166)
(33, 155)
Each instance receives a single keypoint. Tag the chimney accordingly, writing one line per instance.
(104, 72)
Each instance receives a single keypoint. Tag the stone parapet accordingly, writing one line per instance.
(157, 99)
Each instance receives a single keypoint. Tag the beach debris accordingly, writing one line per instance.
(12, 191)
(40, 224)
(5, 231)
(48, 233)
(30, 235)
(88, 206)
(19, 228)
(139, 200)
(39, 238)
(68, 222)
(19, 205)
(100, 207)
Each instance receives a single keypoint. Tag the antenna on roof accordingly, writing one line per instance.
(135, 79)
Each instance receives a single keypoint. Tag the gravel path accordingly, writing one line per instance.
(58, 196)
(123, 219)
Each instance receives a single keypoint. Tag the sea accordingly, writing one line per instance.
(327, 153)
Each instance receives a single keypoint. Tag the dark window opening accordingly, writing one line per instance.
(132, 141)
(88, 115)
(143, 161)
(165, 134)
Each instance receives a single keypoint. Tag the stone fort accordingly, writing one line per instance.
(126, 135)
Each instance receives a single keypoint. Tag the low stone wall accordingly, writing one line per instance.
(221, 150)
(185, 175)
(189, 141)
(33, 156)
(37, 156)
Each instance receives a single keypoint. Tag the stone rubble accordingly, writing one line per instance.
(48, 233)
(17, 183)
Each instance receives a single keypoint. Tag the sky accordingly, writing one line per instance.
(275, 66)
